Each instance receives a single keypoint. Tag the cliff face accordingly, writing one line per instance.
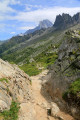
(63, 21)
(65, 71)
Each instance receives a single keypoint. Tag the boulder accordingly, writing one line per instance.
(54, 110)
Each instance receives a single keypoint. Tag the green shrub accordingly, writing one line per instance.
(79, 33)
(11, 114)
(12, 63)
(74, 90)
(75, 87)
(64, 96)
(42, 60)
(74, 52)
(46, 58)
(30, 69)
(4, 79)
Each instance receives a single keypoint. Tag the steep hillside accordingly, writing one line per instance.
(21, 52)
(24, 50)
(24, 54)
(64, 75)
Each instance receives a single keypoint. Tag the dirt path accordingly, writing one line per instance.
(43, 101)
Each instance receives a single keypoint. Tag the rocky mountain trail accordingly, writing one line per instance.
(45, 108)
(31, 93)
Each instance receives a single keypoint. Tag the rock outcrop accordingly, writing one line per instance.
(65, 71)
(15, 85)
(65, 21)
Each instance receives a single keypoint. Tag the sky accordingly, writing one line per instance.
(17, 16)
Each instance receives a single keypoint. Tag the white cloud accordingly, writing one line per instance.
(6, 9)
(34, 15)
(26, 27)
(30, 7)
(12, 33)
(45, 13)
(4, 6)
